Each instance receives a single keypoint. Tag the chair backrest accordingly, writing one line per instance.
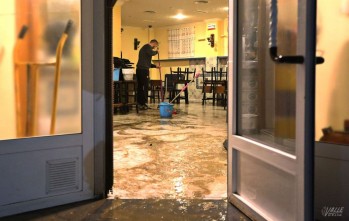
(169, 81)
(183, 74)
(212, 74)
(155, 83)
(188, 73)
(222, 74)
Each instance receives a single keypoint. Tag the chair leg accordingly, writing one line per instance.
(204, 98)
(213, 98)
(158, 96)
(186, 96)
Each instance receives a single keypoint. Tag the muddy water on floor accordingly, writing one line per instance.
(181, 157)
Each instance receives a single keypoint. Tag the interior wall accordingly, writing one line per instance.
(202, 48)
(128, 35)
(332, 77)
(116, 30)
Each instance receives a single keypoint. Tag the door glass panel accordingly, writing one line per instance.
(39, 51)
(268, 188)
(266, 91)
(332, 77)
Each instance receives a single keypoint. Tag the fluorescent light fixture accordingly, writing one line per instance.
(180, 16)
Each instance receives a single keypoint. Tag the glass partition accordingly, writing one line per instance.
(266, 90)
(40, 68)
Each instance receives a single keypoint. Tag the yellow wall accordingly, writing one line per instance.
(332, 90)
(202, 49)
(127, 38)
(116, 30)
(7, 41)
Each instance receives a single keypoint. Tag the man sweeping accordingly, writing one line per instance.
(142, 71)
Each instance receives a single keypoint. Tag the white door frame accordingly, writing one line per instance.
(301, 164)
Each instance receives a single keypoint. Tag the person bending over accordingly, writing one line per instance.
(142, 71)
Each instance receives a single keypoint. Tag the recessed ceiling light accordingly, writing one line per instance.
(200, 2)
(180, 16)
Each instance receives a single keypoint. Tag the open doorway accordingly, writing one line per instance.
(182, 157)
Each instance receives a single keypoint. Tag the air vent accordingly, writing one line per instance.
(200, 2)
(62, 175)
(201, 11)
(150, 12)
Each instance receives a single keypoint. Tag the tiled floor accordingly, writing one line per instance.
(164, 169)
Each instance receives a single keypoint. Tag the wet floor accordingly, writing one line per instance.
(137, 210)
(164, 169)
(180, 157)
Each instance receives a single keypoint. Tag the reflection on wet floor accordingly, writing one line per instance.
(181, 157)
(138, 210)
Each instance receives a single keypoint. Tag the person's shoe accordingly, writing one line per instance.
(147, 106)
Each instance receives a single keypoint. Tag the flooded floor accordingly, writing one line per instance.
(164, 169)
(180, 157)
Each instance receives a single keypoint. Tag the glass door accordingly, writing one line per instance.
(271, 125)
(49, 130)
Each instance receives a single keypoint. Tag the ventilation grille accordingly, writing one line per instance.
(62, 175)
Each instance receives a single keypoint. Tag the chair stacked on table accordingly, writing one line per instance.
(215, 83)
(177, 79)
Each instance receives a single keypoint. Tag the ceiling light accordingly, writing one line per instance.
(180, 16)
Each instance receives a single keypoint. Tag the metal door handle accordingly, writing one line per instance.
(289, 59)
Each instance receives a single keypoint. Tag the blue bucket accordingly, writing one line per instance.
(116, 74)
(166, 109)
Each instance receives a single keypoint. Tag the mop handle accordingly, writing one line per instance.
(185, 86)
(161, 92)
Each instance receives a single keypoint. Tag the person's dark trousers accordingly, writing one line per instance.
(142, 76)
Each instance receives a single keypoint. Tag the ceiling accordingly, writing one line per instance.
(159, 13)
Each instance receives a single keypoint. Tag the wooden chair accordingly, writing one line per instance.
(207, 85)
(181, 80)
(220, 87)
(33, 71)
(155, 90)
(215, 83)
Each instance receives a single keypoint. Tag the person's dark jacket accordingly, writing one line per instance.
(144, 57)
